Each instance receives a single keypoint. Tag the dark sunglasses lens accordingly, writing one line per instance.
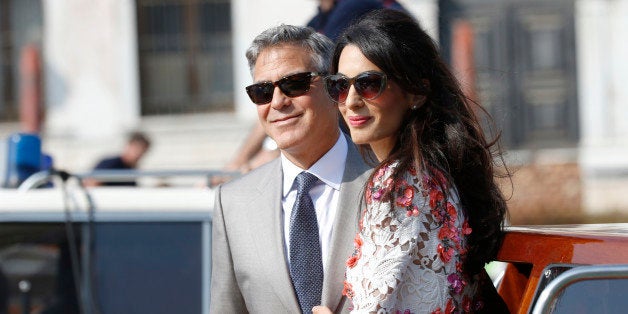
(337, 87)
(295, 85)
(369, 85)
(261, 93)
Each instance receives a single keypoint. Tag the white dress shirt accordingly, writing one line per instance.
(325, 193)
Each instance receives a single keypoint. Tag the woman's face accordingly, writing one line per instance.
(377, 121)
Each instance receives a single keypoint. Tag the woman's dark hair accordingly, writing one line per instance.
(443, 135)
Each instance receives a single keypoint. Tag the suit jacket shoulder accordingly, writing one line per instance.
(253, 180)
(249, 270)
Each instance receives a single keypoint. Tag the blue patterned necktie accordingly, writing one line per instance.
(306, 265)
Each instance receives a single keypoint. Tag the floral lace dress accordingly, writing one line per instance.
(407, 258)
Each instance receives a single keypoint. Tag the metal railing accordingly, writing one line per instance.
(40, 178)
(595, 272)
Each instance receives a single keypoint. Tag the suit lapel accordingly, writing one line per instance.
(345, 226)
(269, 240)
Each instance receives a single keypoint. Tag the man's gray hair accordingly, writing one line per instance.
(319, 46)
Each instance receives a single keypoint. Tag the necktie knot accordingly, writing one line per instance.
(305, 181)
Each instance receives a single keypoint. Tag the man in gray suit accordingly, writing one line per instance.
(255, 250)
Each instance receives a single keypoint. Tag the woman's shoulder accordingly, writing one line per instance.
(385, 178)
(409, 188)
(391, 183)
(390, 174)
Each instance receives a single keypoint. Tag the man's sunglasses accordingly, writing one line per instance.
(292, 86)
(369, 85)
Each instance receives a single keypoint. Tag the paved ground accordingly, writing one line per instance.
(543, 193)
(549, 194)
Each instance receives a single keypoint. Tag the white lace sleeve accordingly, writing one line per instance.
(409, 250)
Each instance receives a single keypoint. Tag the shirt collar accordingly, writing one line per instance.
(329, 168)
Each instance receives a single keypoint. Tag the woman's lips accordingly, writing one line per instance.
(358, 120)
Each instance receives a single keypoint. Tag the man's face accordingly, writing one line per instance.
(134, 152)
(300, 124)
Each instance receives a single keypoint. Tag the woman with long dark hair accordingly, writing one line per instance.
(434, 213)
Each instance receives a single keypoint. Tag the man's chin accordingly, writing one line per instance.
(287, 141)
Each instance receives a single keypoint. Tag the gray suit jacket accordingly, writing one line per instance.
(249, 266)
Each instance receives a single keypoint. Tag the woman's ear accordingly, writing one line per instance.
(416, 101)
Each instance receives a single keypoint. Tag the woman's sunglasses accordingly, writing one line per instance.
(369, 85)
(292, 86)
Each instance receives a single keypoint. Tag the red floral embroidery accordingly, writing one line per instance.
(347, 290)
(436, 197)
(445, 253)
(450, 236)
(357, 241)
(389, 184)
(380, 173)
(456, 282)
(466, 230)
(412, 171)
(357, 253)
(459, 266)
(451, 211)
(450, 306)
(448, 232)
(377, 195)
(352, 261)
(466, 304)
(405, 199)
(414, 211)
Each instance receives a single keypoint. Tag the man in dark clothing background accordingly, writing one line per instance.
(135, 148)
(334, 16)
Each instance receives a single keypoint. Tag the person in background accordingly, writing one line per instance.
(136, 147)
(434, 213)
(256, 150)
(334, 16)
(279, 232)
